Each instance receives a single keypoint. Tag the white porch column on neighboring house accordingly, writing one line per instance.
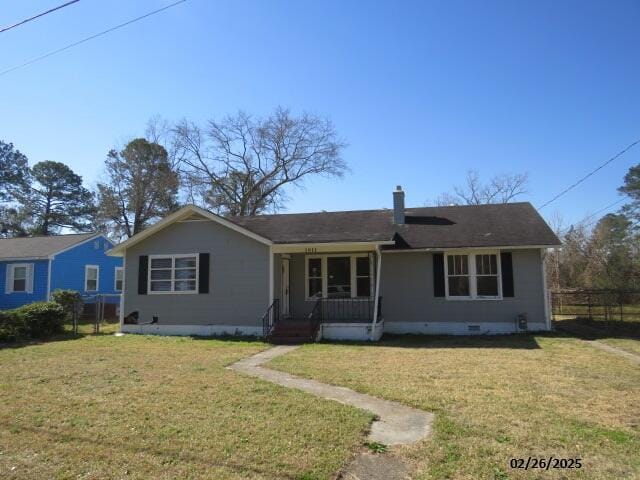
(49, 280)
(377, 292)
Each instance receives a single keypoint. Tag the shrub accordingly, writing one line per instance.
(11, 327)
(42, 319)
(70, 300)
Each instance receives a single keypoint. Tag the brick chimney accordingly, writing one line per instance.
(398, 206)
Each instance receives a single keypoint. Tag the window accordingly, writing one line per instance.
(363, 276)
(473, 276)
(91, 278)
(487, 276)
(173, 273)
(314, 277)
(119, 279)
(339, 276)
(458, 275)
(19, 278)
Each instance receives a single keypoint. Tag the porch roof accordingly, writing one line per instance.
(513, 224)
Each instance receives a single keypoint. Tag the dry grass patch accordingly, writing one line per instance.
(496, 399)
(147, 407)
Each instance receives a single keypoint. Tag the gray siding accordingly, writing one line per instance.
(407, 292)
(238, 277)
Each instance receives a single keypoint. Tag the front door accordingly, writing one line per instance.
(284, 285)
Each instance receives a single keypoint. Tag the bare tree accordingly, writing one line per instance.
(553, 257)
(241, 165)
(502, 188)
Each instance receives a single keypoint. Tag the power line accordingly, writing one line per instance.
(4, 29)
(75, 44)
(585, 223)
(571, 187)
(603, 209)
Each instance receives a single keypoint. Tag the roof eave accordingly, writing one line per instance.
(65, 249)
(21, 259)
(471, 247)
(324, 247)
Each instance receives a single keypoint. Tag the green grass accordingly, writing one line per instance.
(139, 407)
(496, 399)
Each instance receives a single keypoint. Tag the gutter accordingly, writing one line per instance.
(21, 259)
(449, 249)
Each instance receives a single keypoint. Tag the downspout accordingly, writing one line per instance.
(545, 290)
(377, 290)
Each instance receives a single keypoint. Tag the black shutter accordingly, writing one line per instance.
(143, 268)
(506, 265)
(438, 274)
(203, 280)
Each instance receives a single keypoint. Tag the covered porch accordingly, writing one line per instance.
(328, 290)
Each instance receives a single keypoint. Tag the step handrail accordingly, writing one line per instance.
(315, 319)
(270, 318)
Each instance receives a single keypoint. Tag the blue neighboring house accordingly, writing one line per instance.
(33, 267)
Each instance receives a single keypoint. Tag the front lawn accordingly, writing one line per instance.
(497, 398)
(161, 408)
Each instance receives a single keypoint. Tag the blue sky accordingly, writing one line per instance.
(422, 91)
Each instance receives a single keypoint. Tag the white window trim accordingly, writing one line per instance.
(473, 295)
(86, 277)
(28, 284)
(173, 261)
(325, 278)
(115, 279)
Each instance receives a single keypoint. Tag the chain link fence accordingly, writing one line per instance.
(596, 305)
(98, 313)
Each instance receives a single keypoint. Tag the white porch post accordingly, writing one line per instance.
(270, 276)
(377, 292)
(124, 276)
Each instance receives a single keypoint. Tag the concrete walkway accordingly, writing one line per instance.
(396, 424)
(615, 350)
(589, 335)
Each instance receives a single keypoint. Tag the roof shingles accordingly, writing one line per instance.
(38, 247)
(512, 224)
